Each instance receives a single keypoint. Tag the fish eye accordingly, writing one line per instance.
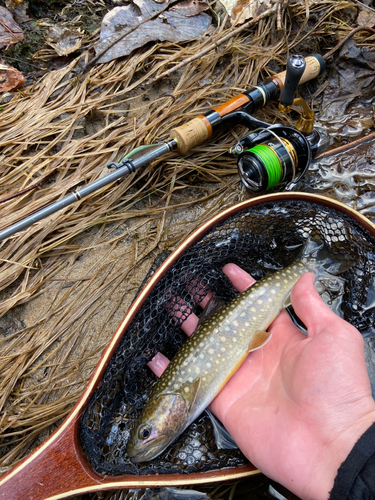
(144, 432)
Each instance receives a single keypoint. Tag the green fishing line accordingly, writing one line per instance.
(271, 163)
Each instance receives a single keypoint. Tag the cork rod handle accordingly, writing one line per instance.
(313, 69)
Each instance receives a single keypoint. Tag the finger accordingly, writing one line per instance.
(197, 288)
(283, 329)
(309, 306)
(241, 279)
(158, 364)
(178, 308)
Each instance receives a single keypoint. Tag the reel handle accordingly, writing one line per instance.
(295, 68)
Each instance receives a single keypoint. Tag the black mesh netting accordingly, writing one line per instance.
(259, 240)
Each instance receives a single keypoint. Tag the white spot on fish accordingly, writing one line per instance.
(197, 369)
(273, 291)
(254, 318)
(211, 351)
(208, 365)
(235, 323)
(242, 315)
(259, 301)
(223, 339)
(252, 309)
(186, 389)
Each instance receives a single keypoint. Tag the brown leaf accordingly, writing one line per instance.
(64, 40)
(10, 32)
(190, 8)
(242, 10)
(10, 78)
(366, 18)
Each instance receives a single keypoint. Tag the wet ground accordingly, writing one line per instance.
(344, 108)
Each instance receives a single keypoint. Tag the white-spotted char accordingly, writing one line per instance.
(207, 360)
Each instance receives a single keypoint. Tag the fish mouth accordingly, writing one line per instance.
(152, 451)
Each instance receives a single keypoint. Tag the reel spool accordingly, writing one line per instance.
(271, 157)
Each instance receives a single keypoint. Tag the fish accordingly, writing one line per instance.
(207, 360)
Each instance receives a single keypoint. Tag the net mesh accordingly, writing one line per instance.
(259, 240)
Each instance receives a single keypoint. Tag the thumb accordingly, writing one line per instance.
(309, 306)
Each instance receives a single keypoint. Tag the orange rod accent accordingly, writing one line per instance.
(233, 104)
(207, 123)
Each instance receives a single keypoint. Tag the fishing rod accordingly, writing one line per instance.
(271, 155)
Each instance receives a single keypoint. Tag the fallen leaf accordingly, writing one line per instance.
(189, 8)
(10, 78)
(366, 18)
(10, 32)
(240, 11)
(64, 40)
(142, 21)
(18, 8)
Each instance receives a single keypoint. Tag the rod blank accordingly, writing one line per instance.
(128, 167)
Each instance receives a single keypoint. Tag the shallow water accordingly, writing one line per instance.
(348, 177)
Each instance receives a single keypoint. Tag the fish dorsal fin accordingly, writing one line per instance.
(259, 339)
(213, 306)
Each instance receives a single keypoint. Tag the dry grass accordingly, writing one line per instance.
(70, 278)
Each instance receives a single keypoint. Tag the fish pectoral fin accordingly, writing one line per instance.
(259, 339)
(190, 391)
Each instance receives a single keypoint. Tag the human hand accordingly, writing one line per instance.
(297, 406)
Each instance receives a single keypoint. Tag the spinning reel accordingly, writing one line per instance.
(274, 155)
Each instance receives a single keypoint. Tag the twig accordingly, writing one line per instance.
(10, 31)
(346, 38)
(26, 190)
(347, 146)
(214, 45)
